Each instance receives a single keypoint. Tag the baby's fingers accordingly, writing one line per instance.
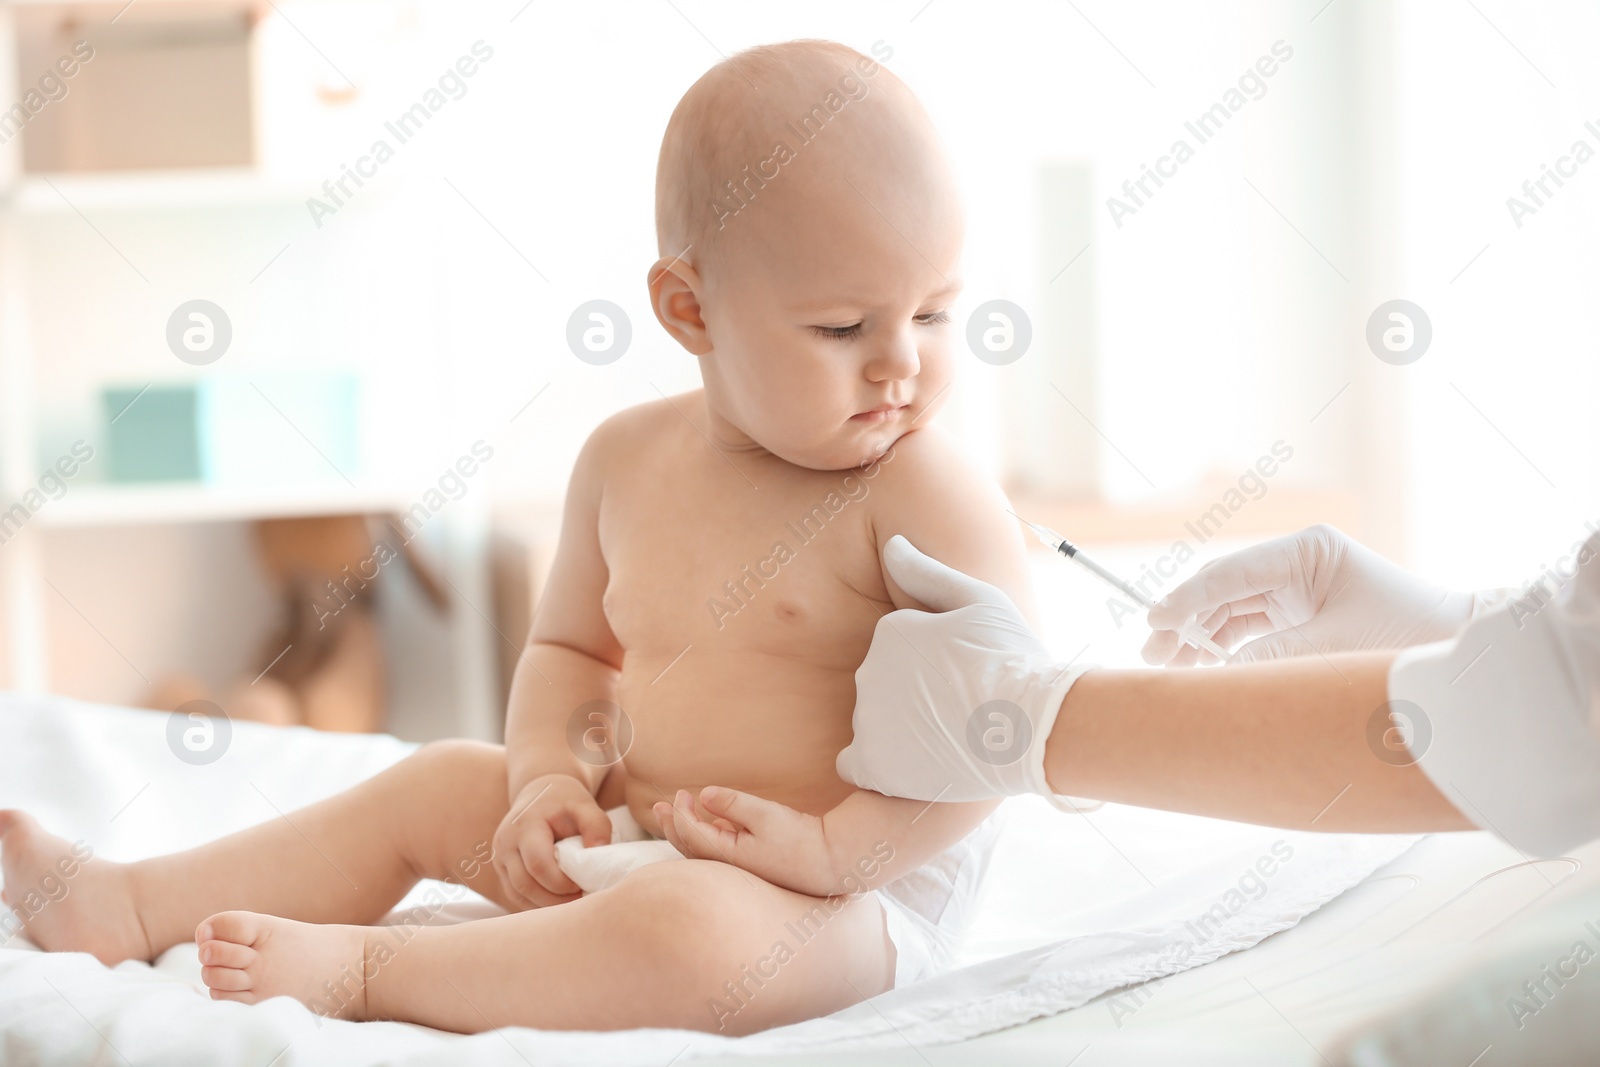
(540, 861)
(667, 816)
(669, 828)
(740, 810)
(536, 854)
(594, 824)
(517, 883)
(692, 835)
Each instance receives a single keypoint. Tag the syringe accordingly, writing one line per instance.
(1189, 632)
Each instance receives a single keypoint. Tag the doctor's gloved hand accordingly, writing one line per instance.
(954, 704)
(1312, 591)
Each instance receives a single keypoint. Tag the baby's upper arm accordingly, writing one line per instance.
(953, 512)
(571, 610)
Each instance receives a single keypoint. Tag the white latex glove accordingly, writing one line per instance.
(955, 705)
(1313, 591)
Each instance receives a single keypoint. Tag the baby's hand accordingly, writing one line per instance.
(549, 808)
(786, 847)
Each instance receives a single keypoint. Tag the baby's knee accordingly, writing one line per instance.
(680, 892)
(744, 955)
(685, 909)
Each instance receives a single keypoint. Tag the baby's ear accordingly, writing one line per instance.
(675, 298)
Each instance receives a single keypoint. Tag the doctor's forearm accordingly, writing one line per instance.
(1282, 743)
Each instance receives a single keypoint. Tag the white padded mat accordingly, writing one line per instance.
(1172, 893)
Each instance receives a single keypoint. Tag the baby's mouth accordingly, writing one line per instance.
(881, 413)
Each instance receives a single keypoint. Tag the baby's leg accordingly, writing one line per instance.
(348, 858)
(696, 944)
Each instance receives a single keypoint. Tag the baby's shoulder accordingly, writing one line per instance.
(931, 491)
(630, 433)
(929, 471)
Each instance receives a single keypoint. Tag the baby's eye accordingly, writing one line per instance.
(838, 333)
(844, 333)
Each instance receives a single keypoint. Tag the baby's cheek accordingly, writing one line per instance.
(937, 365)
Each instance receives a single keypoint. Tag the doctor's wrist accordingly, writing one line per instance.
(1048, 775)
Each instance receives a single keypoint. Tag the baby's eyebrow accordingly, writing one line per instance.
(841, 303)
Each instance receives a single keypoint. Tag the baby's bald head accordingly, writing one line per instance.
(810, 238)
(769, 131)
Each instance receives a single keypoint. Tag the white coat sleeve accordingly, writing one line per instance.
(1505, 718)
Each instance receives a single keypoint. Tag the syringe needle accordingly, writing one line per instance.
(1190, 632)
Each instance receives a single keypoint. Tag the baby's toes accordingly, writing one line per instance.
(227, 954)
(223, 980)
(246, 928)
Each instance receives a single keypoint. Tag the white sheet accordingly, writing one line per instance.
(106, 775)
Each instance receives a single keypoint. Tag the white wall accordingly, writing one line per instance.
(1506, 488)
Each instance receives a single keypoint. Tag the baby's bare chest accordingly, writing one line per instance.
(786, 567)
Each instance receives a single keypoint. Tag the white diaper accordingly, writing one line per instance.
(926, 912)
(603, 866)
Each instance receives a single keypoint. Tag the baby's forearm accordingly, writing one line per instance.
(550, 684)
(873, 839)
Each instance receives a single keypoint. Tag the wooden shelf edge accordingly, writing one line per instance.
(1195, 518)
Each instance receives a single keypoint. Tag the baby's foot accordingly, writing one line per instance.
(65, 898)
(249, 957)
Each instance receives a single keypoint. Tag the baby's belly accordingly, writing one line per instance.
(748, 721)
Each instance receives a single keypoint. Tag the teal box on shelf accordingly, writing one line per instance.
(153, 434)
(279, 427)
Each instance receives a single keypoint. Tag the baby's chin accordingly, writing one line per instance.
(851, 452)
(879, 447)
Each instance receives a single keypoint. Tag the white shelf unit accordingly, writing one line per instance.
(101, 505)
(463, 526)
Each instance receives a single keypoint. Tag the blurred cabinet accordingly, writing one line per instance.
(170, 86)
(220, 111)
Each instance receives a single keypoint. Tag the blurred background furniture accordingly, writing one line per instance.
(227, 151)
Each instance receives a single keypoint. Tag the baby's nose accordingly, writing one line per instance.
(895, 359)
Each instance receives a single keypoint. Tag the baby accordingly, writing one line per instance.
(719, 579)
